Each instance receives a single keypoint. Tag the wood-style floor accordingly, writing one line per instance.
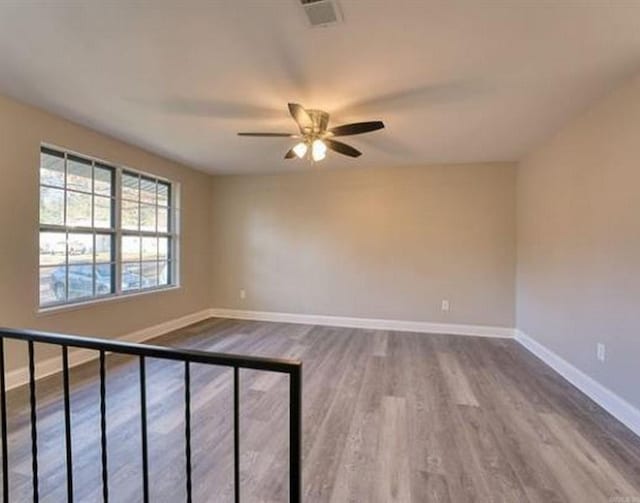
(387, 417)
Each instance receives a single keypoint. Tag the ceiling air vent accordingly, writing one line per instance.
(321, 12)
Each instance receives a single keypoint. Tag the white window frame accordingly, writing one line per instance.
(116, 231)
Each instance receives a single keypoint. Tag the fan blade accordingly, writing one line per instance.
(301, 117)
(342, 148)
(277, 135)
(290, 154)
(356, 128)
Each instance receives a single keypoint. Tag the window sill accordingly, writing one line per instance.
(44, 311)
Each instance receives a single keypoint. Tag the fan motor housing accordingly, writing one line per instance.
(320, 120)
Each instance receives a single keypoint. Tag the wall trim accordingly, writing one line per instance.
(53, 365)
(615, 405)
(607, 399)
(369, 323)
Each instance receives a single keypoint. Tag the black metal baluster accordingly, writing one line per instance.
(143, 351)
(143, 418)
(67, 422)
(236, 432)
(295, 435)
(103, 429)
(3, 411)
(187, 426)
(34, 430)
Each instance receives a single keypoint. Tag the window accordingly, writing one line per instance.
(104, 230)
(146, 238)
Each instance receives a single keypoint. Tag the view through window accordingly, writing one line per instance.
(104, 230)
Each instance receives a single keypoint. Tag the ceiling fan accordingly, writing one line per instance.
(316, 138)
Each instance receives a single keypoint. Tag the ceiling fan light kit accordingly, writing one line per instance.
(316, 137)
(300, 149)
(318, 150)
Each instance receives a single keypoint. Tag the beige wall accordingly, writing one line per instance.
(22, 128)
(383, 243)
(578, 280)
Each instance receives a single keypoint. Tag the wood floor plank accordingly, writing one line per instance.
(360, 455)
(456, 380)
(583, 453)
(393, 442)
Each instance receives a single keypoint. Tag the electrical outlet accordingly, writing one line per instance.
(601, 351)
(243, 294)
(445, 305)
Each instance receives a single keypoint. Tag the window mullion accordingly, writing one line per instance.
(140, 232)
(119, 232)
(93, 269)
(93, 224)
(66, 232)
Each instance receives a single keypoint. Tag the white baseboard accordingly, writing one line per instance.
(20, 376)
(612, 403)
(45, 368)
(619, 408)
(369, 323)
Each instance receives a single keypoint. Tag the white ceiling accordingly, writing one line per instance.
(453, 80)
